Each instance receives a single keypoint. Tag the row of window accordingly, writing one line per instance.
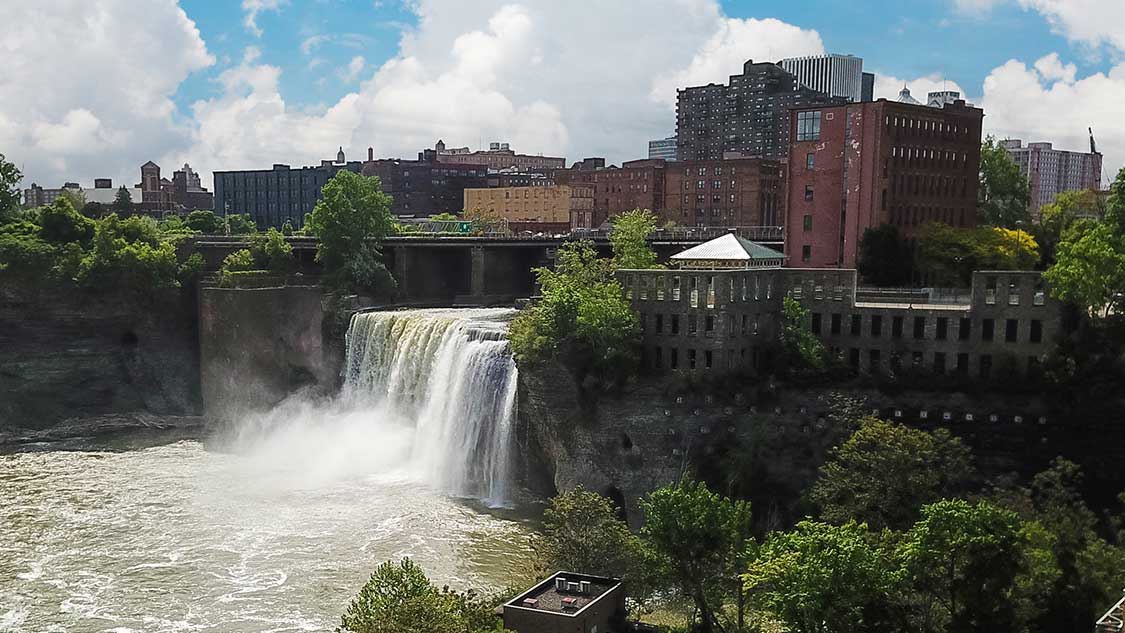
(940, 363)
(925, 125)
(670, 358)
(744, 288)
(749, 324)
(942, 327)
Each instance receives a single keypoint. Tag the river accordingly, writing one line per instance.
(273, 525)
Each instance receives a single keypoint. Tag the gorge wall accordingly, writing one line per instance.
(259, 345)
(67, 354)
(766, 443)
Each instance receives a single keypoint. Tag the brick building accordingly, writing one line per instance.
(425, 187)
(749, 115)
(861, 165)
(727, 193)
(498, 156)
(636, 184)
(1052, 171)
(544, 204)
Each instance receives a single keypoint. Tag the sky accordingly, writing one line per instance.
(94, 88)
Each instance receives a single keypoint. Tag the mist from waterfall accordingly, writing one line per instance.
(429, 396)
(451, 376)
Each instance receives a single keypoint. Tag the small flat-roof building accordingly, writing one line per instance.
(568, 602)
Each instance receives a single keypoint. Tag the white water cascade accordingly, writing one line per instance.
(449, 374)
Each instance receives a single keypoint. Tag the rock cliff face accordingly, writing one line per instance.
(763, 443)
(259, 345)
(69, 354)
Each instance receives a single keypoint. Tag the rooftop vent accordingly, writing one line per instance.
(569, 603)
(560, 584)
(584, 586)
(530, 603)
(573, 587)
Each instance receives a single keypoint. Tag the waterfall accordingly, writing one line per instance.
(450, 374)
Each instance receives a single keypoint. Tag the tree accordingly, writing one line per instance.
(582, 319)
(582, 533)
(271, 251)
(1091, 571)
(965, 561)
(885, 472)
(1089, 269)
(803, 351)
(699, 536)
(10, 178)
(205, 221)
(60, 223)
(884, 256)
(129, 253)
(947, 256)
(240, 224)
(398, 598)
(1060, 215)
(77, 197)
(351, 218)
(123, 202)
(1004, 192)
(630, 240)
(823, 578)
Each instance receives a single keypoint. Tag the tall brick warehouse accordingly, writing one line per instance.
(861, 165)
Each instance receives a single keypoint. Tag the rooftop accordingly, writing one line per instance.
(581, 591)
(729, 250)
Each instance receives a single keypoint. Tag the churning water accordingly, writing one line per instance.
(275, 525)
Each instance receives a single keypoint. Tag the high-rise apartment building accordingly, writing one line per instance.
(1052, 171)
(862, 165)
(724, 193)
(834, 75)
(664, 149)
(748, 116)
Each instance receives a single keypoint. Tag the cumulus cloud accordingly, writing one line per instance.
(355, 67)
(1037, 104)
(1091, 22)
(75, 105)
(254, 7)
(734, 42)
(976, 7)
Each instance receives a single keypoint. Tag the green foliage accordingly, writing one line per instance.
(128, 254)
(582, 532)
(965, 562)
(444, 217)
(885, 472)
(884, 256)
(1055, 218)
(123, 201)
(823, 578)
(947, 256)
(630, 240)
(272, 251)
(583, 318)
(60, 223)
(10, 178)
(1004, 192)
(205, 221)
(287, 228)
(802, 351)
(351, 218)
(1089, 269)
(23, 251)
(699, 537)
(398, 598)
(240, 224)
(76, 197)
